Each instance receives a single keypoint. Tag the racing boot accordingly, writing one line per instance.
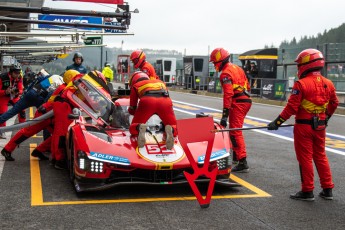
(305, 196)
(61, 164)
(326, 194)
(141, 135)
(170, 137)
(234, 159)
(7, 155)
(39, 154)
(241, 167)
(52, 161)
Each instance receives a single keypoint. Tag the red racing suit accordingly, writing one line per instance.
(312, 97)
(27, 132)
(154, 99)
(235, 84)
(6, 81)
(61, 107)
(147, 68)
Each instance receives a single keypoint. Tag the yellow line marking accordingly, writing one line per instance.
(36, 184)
(37, 192)
(31, 113)
(256, 190)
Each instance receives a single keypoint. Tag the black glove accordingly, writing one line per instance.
(224, 120)
(42, 109)
(274, 125)
(59, 99)
(327, 119)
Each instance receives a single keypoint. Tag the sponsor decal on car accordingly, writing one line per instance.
(109, 158)
(160, 154)
(214, 156)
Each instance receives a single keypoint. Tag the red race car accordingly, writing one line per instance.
(101, 152)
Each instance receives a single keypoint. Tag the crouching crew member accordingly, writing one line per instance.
(29, 131)
(154, 99)
(36, 94)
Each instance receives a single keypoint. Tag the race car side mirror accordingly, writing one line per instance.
(75, 115)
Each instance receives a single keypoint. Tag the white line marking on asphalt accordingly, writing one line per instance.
(3, 142)
(257, 103)
(259, 131)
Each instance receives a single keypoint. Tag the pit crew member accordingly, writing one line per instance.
(313, 101)
(138, 59)
(154, 99)
(236, 103)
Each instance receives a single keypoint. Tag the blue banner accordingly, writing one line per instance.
(113, 30)
(69, 19)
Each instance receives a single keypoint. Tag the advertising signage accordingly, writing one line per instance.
(69, 19)
(274, 89)
(113, 30)
(97, 1)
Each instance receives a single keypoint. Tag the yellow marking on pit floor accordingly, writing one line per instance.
(36, 184)
(254, 123)
(31, 116)
(338, 144)
(215, 115)
(31, 113)
(37, 191)
(185, 106)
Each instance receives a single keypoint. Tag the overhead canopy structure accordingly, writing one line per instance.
(271, 53)
(14, 26)
(16, 36)
(264, 59)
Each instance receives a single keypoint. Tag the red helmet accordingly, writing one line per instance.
(138, 57)
(218, 56)
(136, 77)
(309, 60)
(96, 74)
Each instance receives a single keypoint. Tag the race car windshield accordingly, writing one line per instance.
(120, 117)
(92, 101)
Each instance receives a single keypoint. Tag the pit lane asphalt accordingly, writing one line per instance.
(273, 169)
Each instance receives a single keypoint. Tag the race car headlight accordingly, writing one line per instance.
(224, 163)
(89, 165)
(82, 159)
(96, 166)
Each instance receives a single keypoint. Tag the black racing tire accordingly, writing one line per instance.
(71, 166)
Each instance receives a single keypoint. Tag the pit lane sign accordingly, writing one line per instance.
(93, 41)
